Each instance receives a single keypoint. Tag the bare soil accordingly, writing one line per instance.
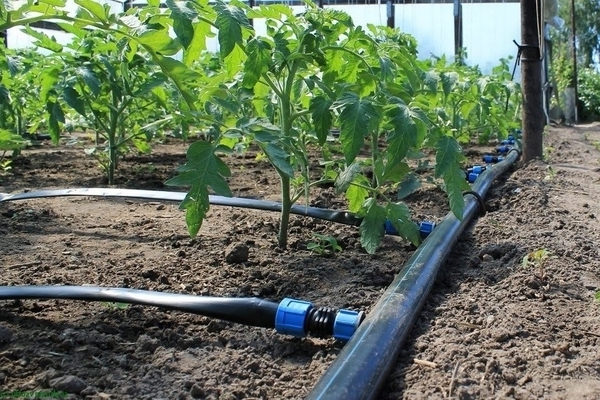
(490, 329)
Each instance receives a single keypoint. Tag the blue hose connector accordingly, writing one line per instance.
(346, 323)
(508, 141)
(472, 176)
(477, 169)
(492, 159)
(389, 228)
(503, 149)
(426, 227)
(291, 315)
(299, 318)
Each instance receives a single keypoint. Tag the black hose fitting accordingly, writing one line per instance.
(319, 321)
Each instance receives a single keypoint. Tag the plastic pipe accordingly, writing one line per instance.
(293, 317)
(364, 363)
(342, 217)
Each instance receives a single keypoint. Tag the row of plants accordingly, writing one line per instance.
(314, 84)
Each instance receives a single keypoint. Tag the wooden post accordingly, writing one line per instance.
(458, 33)
(531, 80)
(574, 44)
(391, 19)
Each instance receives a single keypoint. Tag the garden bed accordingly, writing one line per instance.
(491, 328)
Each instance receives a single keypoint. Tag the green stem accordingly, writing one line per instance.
(112, 138)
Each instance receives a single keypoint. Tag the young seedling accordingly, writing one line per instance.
(325, 246)
(537, 260)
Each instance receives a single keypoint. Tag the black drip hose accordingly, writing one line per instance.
(342, 217)
(244, 310)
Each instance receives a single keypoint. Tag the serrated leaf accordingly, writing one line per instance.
(202, 170)
(234, 60)
(179, 74)
(387, 68)
(258, 61)
(90, 79)
(55, 115)
(202, 30)
(74, 100)
(49, 77)
(43, 40)
(404, 133)
(182, 17)
(372, 226)
(322, 118)
(346, 177)
(448, 158)
(356, 195)
(279, 158)
(399, 215)
(395, 172)
(409, 185)
(355, 119)
(94, 8)
(229, 22)
(10, 141)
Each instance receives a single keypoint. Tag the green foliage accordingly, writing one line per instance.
(324, 246)
(589, 93)
(537, 260)
(284, 92)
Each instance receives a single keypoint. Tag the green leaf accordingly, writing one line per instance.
(322, 118)
(94, 8)
(179, 74)
(55, 115)
(89, 78)
(346, 177)
(202, 170)
(74, 100)
(10, 141)
(43, 40)
(258, 61)
(202, 30)
(448, 158)
(279, 158)
(399, 215)
(355, 119)
(395, 172)
(404, 133)
(229, 23)
(372, 226)
(49, 78)
(356, 195)
(182, 17)
(409, 185)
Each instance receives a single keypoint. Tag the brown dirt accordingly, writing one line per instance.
(493, 328)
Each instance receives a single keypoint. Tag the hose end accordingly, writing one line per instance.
(291, 315)
(346, 323)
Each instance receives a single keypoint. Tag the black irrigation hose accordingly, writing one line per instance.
(249, 310)
(290, 316)
(364, 363)
(342, 217)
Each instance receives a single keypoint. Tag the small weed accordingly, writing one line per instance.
(115, 306)
(551, 173)
(326, 245)
(597, 297)
(5, 165)
(537, 260)
(596, 144)
(548, 150)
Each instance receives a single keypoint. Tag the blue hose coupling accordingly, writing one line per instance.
(503, 149)
(389, 228)
(472, 177)
(477, 169)
(426, 227)
(508, 141)
(300, 318)
(492, 159)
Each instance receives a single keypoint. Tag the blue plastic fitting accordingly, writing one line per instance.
(508, 141)
(472, 177)
(477, 169)
(389, 228)
(426, 227)
(291, 315)
(492, 159)
(503, 149)
(346, 323)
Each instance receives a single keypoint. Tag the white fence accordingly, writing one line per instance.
(488, 28)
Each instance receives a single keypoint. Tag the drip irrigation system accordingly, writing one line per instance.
(341, 217)
(364, 363)
(373, 342)
(292, 317)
